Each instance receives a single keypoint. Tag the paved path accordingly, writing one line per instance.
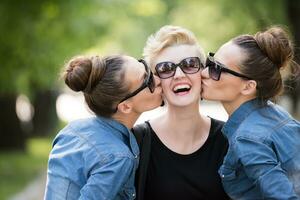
(34, 190)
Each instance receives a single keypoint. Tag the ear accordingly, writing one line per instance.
(125, 107)
(249, 88)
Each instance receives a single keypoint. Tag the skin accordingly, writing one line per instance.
(230, 90)
(181, 128)
(129, 110)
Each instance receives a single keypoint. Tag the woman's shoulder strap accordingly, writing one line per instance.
(140, 131)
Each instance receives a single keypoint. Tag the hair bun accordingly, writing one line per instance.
(276, 45)
(82, 73)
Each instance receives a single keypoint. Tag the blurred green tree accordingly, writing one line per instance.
(37, 36)
(292, 10)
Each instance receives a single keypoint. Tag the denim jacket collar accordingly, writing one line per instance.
(239, 115)
(123, 130)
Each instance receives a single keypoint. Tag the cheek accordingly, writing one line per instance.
(212, 86)
(220, 90)
(165, 85)
(196, 79)
(148, 100)
(144, 101)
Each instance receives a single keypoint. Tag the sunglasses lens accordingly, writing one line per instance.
(214, 70)
(165, 69)
(190, 65)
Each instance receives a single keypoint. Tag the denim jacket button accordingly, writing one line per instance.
(223, 176)
(136, 156)
(133, 195)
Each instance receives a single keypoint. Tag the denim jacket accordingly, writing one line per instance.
(93, 158)
(263, 159)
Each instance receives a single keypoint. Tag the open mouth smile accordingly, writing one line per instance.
(182, 89)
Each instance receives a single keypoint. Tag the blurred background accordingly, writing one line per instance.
(38, 36)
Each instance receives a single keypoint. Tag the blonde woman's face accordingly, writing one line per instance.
(182, 89)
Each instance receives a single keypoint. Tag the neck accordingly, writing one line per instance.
(182, 129)
(231, 106)
(183, 121)
(126, 119)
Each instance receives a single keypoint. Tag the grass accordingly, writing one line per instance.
(19, 168)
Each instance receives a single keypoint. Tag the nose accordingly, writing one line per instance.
(204, 73)
(178, 73)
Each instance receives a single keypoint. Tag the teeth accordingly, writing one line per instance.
(180, 87)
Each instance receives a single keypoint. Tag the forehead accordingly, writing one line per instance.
(134, 70)
(132, 64)
(230, 54)
(177, 53)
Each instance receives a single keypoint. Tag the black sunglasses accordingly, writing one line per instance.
(215, 69)
(189, 65)
(148, 82)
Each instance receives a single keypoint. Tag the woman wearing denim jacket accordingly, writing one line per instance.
(96, 158)
(263, 160)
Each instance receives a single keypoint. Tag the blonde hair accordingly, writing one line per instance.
(168, 36)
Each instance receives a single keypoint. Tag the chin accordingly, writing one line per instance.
(184, 103)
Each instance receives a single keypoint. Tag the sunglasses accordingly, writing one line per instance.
(189, 65)
(148, 82)
(215, 69)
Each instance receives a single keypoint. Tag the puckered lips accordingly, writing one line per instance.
(182, 88)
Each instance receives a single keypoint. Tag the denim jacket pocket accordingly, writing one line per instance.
(128, 193)
(229, 180)
(227, 173)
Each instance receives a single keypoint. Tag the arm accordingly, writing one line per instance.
(261, 166)
(106, 181)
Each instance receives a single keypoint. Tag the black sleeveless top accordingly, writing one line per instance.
(195, 176)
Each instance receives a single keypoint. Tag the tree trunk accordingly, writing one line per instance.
(12, 135)
(45, 118)
(293, 8)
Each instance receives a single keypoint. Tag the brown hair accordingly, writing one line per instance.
(266, 53)
(100, 79)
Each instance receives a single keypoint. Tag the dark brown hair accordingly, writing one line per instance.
(100, 79)
(266, 53)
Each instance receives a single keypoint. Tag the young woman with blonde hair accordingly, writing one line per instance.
(181, 150)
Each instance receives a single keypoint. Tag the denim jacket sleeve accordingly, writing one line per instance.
(106, 181)
(263, 168)
(79, 170)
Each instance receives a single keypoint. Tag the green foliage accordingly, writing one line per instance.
(18, 168)
(37, 37)
(215, 22)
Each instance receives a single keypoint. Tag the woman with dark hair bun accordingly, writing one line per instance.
(263, 160)
(96, 158)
